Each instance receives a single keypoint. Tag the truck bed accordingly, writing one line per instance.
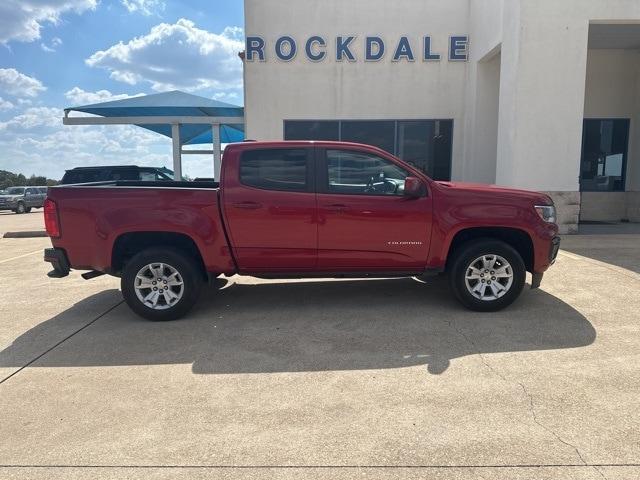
(95, 218)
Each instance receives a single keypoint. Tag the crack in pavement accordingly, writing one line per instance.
(38, 357)
(526, 393)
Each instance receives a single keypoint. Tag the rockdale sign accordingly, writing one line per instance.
(317, 48)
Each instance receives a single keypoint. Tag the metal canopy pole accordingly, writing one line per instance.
(215, 130)
(177, 156)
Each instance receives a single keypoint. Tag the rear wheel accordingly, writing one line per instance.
(27, 209)
(487, 275)
(161, 284)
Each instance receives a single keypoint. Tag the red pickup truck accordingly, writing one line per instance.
(301, 209)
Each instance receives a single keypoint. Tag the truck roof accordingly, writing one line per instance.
(253, 144)
(96, 167)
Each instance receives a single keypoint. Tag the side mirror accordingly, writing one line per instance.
(413, 187)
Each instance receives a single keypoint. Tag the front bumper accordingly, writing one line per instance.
(536, 277)
(8, 205)
(553, 250)
(57, 257)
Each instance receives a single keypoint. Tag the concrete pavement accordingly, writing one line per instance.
(12, 222)
(323, 379)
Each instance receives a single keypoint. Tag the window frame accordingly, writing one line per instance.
(322, 173)
(310, 159)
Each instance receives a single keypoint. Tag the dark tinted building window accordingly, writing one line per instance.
(426, 144)
(380, 134)
(604, 155)
(275, 169)
(311, 130)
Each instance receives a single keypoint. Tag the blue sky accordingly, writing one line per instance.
(60, 53)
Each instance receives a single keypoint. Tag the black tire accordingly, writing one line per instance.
(475, 249)
(27, 210)
(20, 208)
(187, 269)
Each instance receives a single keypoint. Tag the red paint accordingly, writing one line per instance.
(279, 232)
(51, 223)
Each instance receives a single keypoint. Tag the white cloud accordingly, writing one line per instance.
(31, 139)
(18, 84)
(5, 104)
(21, 20)
(53, 45)
(176, 56)
(34, 117)
(78, 96)
(145, 7)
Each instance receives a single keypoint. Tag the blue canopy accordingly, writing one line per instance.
(174, 104)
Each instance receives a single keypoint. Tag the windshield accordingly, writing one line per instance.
(15, 191)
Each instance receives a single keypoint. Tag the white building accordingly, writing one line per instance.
(537, 94)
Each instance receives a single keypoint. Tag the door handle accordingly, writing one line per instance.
(247, 205)
(336, 207)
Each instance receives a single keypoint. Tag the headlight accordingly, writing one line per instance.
(546, 212)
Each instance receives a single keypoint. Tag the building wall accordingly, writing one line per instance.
(301, 89)
(613, 91)
(478, 162)
(544, 59)
(537, 50)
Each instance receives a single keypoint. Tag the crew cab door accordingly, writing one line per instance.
(269, 203)
(366, 223)
(31, 197)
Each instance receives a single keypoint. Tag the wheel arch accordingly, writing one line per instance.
(128, 244)
(517, 238)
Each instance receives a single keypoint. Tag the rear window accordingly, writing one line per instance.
(275, 169)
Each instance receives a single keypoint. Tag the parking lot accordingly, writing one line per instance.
(322, 379)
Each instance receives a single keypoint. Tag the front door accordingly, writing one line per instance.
(365, 221)
(270, 209)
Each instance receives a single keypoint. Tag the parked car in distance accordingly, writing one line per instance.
(301, 209)
(118, 172)
(23, 199)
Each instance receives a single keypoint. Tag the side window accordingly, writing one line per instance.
(43, 190)
(125, 174)
(275, 169)
(359, 173)
(29, 191)
(148, 176)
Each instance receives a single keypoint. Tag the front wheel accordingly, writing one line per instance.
(161, 284)
(487, 275)
(20, 208)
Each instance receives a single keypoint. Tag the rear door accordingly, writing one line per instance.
(366, 223)
(270, 209)
(31, 197)
(42, 194)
